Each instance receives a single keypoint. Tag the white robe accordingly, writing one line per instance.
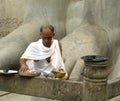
(37, 51)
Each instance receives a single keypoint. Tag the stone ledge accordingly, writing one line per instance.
(65, 90)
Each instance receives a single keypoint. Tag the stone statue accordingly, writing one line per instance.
(84, 27)
(10, 18)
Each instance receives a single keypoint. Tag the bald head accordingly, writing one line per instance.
(50, 27)
(47, 33)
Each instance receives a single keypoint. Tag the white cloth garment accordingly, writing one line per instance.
(37, 51)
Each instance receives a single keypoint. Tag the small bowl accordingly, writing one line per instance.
(58, 74)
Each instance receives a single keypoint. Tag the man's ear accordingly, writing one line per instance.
(53, 34)
(40, 33)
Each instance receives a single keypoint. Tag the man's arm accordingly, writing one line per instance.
(60, 46)
(66, 76)
(23, 66)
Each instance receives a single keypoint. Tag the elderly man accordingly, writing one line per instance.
(92, 30)
(44, 55)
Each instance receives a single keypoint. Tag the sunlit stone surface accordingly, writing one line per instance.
(83, 26)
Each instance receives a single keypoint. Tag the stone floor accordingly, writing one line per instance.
(5, 96)
(115, 99)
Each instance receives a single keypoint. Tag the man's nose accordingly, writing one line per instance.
(46, 40)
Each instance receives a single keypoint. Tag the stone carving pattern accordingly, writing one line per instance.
(7, 25)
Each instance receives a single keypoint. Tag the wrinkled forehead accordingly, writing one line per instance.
(46, 31)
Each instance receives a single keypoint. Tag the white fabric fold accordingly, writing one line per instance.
(37, 51)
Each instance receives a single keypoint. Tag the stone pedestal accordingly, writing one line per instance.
(95, 76)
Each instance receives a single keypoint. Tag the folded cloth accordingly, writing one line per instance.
(37, 51)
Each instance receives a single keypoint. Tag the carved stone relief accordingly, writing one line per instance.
(7, 25)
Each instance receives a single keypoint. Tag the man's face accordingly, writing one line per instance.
(47, 36)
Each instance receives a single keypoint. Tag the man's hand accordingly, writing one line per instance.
(24, 68)
(48, 59)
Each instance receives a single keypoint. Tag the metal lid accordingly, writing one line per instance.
(94, 58)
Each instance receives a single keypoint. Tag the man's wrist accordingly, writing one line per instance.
(24, 65)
